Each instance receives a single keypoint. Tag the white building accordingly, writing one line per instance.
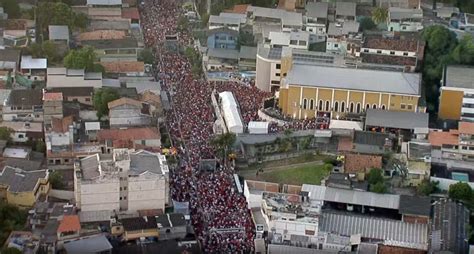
(33, 68)
(126, 180)
(216, 22)
(339, 34)
(404, 20)
(289, 21)
(297, 40)
(316, 18)
(62, 77)
(231, 113)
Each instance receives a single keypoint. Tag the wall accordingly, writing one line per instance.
(263, 74)
(99, 196)
(59, 139)
(87, 100)
(146, 192)
(450, 104)
(149, 142)
(22, 199)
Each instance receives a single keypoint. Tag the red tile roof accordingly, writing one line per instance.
(70, 223)
(361, 163)
(439, 138)
(130, 13)
(466, 128)
(123, 101)
(61, 125)
(399, 44)
(123, 67)
(129, 134)
(48, 96)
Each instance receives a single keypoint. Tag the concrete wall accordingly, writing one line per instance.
(61, 194)
(100, 196)
(146, 192)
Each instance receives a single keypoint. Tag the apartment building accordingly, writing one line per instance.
(125, 180)
(454, 144)
(456, 101)
(404, 20)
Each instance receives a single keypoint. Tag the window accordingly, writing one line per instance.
(278, 66)
(366, 50)
(404, 28)
(351, 107)
(374, 106)
(383, 107)
(336, 106)
(409, 106)
(320, 107)
(293, 42)
(367, 106)
(88, 99)
(305, 103)
(275, 82)
(21, 136)
(277, 74)
(125, 198)
(120, 198)
(311, 104)
(336, 45)
(302, 43)
(120, 189)
(125, 188)
(343, 106)
(402, 106)
(358, 108)
(405, 53)
(327, 105)
(392, 52)
(379, 51)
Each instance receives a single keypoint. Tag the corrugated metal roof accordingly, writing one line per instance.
(388, 201)
(392, 232)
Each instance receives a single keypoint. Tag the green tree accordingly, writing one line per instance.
(81, 20)
(40, 146)
(58, 13)
(366, 24)
(182, 24)
(463, 53)
(375, 176)
(12, 8)
(379, 15)
(56, 180)
(246, 39)
(83, 58)
(101, 98)
(11, 218)
(460, 191)
(195, 60)
(5, 134)
(427, 187)
(378, 187)
(146, 55)
(223, 143)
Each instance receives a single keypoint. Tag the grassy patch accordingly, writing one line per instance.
(310, 174)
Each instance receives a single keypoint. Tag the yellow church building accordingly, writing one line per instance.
(307, 89)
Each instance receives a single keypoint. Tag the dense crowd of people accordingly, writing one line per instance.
(219, 213)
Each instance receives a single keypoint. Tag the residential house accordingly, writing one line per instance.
(60, 133)
(96, 244)
(139, 227)
(345, 11)
(34, 68)
(126, 49)
(24, 105)
(69, 227)
(341, 90)
(454, 144)
(146, 137)
(154, 100)
(132, 15)
(126, 181)
(340, 34)
(17, 31)
(371, 143)
(316, 19)
(10, 60)
(446, 12)
(42, 212)
(450, 227)
(400, 51)
(216, 22)
(82, 95)
(66, 78)
(92, 129)
(404, 20)
(23, 188)
(218, 59)
(456, 101)
(125, 68)
(52, 106)
(23, 132)
(361, 163)
(59, 34)
(415, 209)
(466, 23)
(224, 38)
(23, 241)
(297, 40)
(171, 226)
(247, 58)
(126, 112)
(287, 20)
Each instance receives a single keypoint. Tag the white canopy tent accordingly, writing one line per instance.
(258, 127)
(231, 113)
